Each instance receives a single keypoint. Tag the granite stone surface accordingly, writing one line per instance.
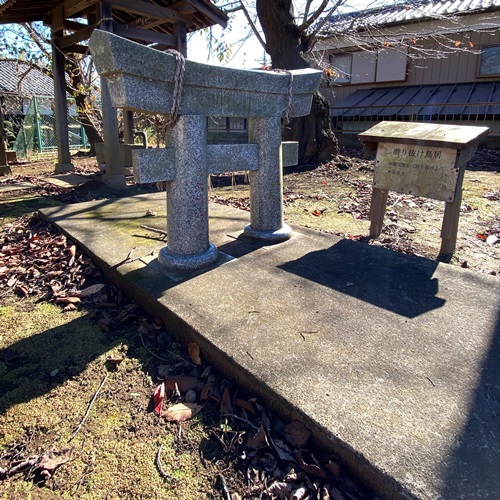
(141, 79)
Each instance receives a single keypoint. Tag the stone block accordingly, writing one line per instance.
(141, 79)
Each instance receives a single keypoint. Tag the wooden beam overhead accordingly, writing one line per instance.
(213, 16)
(73, 25)
(72, 7)
(79, 36)
(79, 49)
(145, 23)
(146, 9)
(144, 35)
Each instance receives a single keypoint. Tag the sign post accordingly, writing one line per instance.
(421, 159)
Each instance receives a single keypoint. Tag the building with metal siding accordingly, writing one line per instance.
(435, 61)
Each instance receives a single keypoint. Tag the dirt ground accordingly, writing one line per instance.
(335, 198)
(79, 362)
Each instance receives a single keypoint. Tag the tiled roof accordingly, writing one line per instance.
(19, 77)
(451, 99)
(405, 13)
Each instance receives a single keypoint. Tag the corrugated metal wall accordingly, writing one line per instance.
(459, 67)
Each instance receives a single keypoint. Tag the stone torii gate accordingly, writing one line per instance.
(145, 80)
(161, 24)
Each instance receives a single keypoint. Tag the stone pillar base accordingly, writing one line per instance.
(61, 168)
(176, 262)
(271, 237)
(116, 181)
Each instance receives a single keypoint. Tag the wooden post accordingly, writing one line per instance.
(449, 228)
(181, 38)
(4, 167)
(377, 211)
(114, 175)
(61, 109)
(128, 127)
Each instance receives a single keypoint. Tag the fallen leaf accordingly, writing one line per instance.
(158, 397)
(184, 382)
(91, 290)
(172, 389)
(194, 353)
(246, 405)
(207, 391)
(297, 434)
(284, 452)
(226, 407)
(68, 300)
(313, 469)
(259, 440)
(279, 490)
(114, 360)
(181, 412)
(72, 252)
(51, 460)
(317, 213)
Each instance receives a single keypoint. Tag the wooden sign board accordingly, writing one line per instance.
(428, 171)
(422, 159)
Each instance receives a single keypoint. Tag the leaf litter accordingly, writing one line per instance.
(250, 453)
(255, 453)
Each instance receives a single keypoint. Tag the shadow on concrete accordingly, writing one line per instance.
(476, 457)
(386, 279)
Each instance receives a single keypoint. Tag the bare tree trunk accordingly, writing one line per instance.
(286, 45)
(90, 118)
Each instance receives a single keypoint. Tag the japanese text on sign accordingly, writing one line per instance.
(415, 169)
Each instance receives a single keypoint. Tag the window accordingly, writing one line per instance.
(228, 124)
(490, 61)
(341, 65)
(391, 65)
(386, 65)
(364, 65)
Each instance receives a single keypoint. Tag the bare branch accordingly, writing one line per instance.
(252, 25)
(325, 19)
(303, 27)
(306, 10)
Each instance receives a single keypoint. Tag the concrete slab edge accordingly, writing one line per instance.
(381, 483)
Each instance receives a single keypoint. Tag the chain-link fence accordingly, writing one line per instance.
(37, 132)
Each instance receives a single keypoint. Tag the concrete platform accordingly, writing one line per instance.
(393, 361)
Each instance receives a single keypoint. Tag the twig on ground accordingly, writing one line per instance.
(128, 259)
(154, 230)
(162, 472)
(231, 415)
(225, 491)
(22, 466)
(80, 425)
(166, 350)
(5, 293)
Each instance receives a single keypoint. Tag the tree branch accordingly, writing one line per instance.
(325, 19)
(306, 10)
(303, 27)
(252, 25)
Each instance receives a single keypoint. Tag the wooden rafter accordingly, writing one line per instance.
(143, 35)
(142, 8)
